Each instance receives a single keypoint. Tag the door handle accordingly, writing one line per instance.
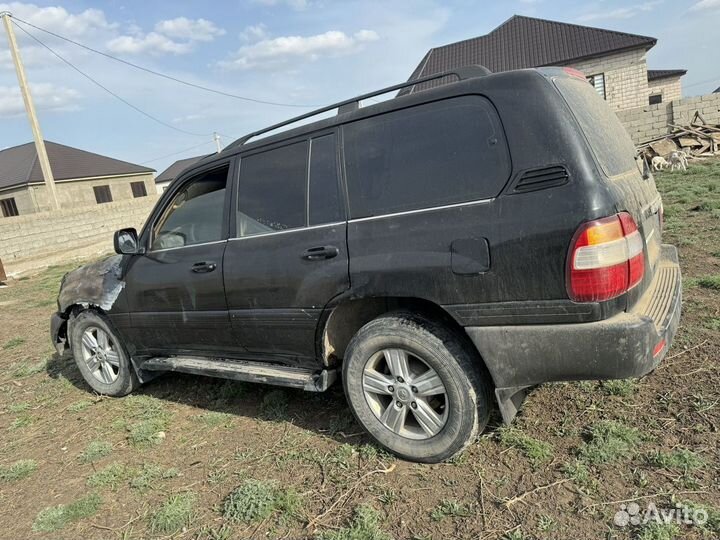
(203, 267)
(320, 253)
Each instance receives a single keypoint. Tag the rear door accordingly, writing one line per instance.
(288, 257)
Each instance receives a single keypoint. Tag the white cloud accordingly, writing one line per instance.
(704, 5)
(152, 43)
(294, 4)
(46, 96)
(254, 33)
(58, 19)
(193, 30)
(271, 52)
(622, 13)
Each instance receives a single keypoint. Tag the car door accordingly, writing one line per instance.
(175, 290)
(289, 257)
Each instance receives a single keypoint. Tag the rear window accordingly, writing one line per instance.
(439, 153)
(608, 139)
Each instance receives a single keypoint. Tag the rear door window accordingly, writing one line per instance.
(439, 153)
(272, 190)
(608, 139)
(324, 201)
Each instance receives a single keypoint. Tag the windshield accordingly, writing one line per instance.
(608, 139)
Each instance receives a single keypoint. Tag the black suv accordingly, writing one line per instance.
(483, 236)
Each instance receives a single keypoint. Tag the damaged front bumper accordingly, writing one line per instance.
(58, 332)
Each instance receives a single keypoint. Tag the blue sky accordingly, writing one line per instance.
(307, 52)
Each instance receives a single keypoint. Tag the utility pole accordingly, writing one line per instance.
(216, 137)
(30, 109)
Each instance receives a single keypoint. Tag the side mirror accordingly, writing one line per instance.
(126, 242)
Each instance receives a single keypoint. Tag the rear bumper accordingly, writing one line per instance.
(630, 344)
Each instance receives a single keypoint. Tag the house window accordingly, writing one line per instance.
(102, 194)
(598, 83)
(138, 189)
(655, 99)
(9, 208)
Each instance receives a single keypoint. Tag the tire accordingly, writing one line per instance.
(115, 375)
(464, 407)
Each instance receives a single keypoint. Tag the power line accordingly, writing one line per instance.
(165, 76)
(176, 153)
(126, 102)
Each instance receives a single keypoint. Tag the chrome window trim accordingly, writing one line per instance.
(421, 210)
(183, 247)
(285, 231)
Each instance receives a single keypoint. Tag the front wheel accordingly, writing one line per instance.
(415, 386)
(100, 355)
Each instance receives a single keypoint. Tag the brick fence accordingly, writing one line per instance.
(651, 121)
(37, 240)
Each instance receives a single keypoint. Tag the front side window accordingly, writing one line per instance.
(102, 194)
(8, 207)
(272, 190)
(195, 215)
(439, 153)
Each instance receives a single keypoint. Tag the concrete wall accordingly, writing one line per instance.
(651, 121)
(76, 193)
(669, 88)
(40, 239)
(626, 84)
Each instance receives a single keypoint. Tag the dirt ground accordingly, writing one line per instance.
(189, 457)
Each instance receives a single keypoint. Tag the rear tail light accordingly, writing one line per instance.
(607, 259)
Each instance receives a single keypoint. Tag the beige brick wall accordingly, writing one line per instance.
(72, 194)
(651, 121)
(626, 84)
(65, 234)
(669, 88)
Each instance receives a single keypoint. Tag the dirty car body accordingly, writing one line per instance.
(507, 207)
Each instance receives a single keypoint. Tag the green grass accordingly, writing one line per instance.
(21, 422)
(147, 433)
(449, 508)
(57, 517)
(682, 459)
(80, 405)
(659, 531)
(536, 451)
(18, 407)
(579, 473)
(364, 525)
(12, 343)
(25, 369)
(256, 500)
(274, 405)
(95, 451)
(112, 476)
(713, 516)
(18, 471)
(146, 421)
(176, 513)
(609, 441)
(149, 475)
(214, 419)
(620, 387)
(709, 282)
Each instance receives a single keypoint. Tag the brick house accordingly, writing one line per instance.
(614, 62)
(81, 179)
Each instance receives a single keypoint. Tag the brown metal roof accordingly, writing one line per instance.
(174, 170)
(526, 42)
(655, 74)
(19, 165)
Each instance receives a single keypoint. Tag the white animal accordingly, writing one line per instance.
(684, 157)
(677, 160)
(659, 163)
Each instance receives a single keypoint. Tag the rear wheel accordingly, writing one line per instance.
(100, 355)
(415, 386)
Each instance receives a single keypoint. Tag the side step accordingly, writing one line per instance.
(241, 370)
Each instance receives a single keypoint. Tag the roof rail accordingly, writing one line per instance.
(352, 104)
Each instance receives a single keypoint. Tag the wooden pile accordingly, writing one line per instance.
(698, 139)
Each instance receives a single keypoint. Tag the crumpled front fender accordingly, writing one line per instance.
(95, 284)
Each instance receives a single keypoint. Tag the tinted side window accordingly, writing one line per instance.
(439, 153)
(195, 215)
(271, 195)
(324, 192)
